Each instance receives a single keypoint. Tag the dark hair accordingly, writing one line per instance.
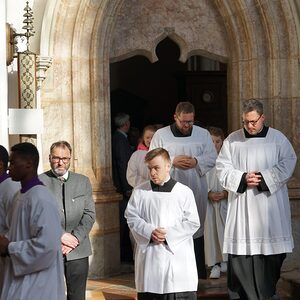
(27, 151)
(184, 107)
(61, 144)
(157, 152)
(253, 105)
(4, 156)
(216, 131)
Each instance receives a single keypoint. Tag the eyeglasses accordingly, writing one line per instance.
(56, 159)
(190, 123)
(253, 123)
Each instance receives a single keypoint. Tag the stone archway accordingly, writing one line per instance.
(258, 40)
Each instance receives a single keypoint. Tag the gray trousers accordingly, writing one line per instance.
(254, 277)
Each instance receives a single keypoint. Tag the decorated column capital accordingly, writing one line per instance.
(42, 65)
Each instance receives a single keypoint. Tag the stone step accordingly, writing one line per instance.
(289, 284)
(215, 294)
(213, 289)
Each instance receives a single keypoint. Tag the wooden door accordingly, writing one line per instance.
(207, 91)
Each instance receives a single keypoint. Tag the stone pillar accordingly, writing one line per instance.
(3, 79)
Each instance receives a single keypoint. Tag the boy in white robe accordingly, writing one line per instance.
(254, 166)
(33, 260)
(192, 155)
(162, 216)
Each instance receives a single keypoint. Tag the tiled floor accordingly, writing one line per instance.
(122, 288)
(114, 288)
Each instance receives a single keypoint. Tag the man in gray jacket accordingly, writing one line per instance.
(74, 195)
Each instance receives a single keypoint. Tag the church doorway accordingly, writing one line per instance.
(149, 92)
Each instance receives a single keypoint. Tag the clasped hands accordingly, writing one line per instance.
(184, 162)
(158, 235)
(253, 179)
(68, 243)
(217, 196)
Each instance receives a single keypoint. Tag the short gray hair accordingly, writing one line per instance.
(253, 105)
(120, 119)
(61, 144)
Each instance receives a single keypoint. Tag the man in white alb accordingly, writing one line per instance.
(192, 154)
(162, 216)
(254, 166)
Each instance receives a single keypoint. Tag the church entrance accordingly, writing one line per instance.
(149, 92)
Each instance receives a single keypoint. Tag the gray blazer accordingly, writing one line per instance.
(79, 215)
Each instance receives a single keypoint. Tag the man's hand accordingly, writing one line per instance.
(253, 179)
(3, 245)
(215, 196)
(158, 235)
(184, 162)
(69, 240)
(65, 249)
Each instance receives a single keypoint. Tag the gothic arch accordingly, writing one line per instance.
(263, 54)
(261, 38)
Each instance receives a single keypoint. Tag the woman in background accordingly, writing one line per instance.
(137, 171)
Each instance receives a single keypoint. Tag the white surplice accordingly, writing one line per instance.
(214, 223)
(171, 267)
(200, 146)
(137, 171)
(34, 269)
(257, 222)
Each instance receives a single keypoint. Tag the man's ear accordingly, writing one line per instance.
(175, 117)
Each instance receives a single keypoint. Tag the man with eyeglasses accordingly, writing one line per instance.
(254, 166)
(73, 192)
(192, 154)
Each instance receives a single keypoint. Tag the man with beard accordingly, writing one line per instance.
(192, 154)
(73, 192)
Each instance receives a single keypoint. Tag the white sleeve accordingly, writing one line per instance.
(187, 226)
(40, 250)
(140, 229)
(281, 172)
(207, 160)
(132, 170)
(229, 177)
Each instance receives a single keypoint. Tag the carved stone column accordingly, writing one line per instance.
(43, 63)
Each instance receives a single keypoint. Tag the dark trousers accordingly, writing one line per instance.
(171, 296)
(200, 257)
(254, 277)
(125, 243)
(76, 272)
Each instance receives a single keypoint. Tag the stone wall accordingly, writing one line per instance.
(258, 40)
